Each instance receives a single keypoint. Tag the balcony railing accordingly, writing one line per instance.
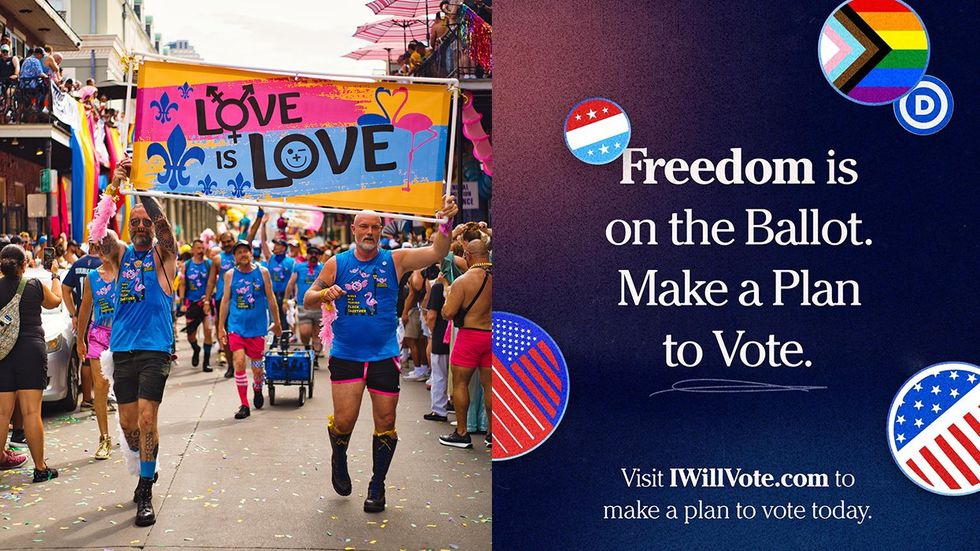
(449, 60)
(25, 101)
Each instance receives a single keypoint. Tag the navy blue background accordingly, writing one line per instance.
(697, 78)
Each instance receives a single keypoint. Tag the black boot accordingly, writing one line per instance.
(144, 503)
(196, 356)
(384, 449)
(338, 461)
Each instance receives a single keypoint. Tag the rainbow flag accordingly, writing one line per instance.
(874, 51)
(249, 135)
(85, 176)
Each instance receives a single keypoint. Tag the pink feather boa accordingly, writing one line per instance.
(326, 328)
(104, 212)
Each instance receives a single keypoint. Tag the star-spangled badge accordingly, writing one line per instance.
(597, 131)
(530, 386)
(934, 428)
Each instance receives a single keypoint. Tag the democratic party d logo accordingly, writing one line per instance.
(934, 428)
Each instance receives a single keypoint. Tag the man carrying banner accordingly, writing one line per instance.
(197, 270)
(363, 284)
(243, 324)
(142, 333)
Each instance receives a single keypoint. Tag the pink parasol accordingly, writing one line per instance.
(377, 52)
(387, 30)
(405, 8)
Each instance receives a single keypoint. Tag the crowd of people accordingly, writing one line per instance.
(400, 306)
(25, 85)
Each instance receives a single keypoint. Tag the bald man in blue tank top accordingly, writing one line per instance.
(363, 285)
(142, 333)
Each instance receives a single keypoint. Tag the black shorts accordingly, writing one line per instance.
(26, 366)
(281, 302)
(195, 316)
(217, 307)
(140, 374)
(382, 377)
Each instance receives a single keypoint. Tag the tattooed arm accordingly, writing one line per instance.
(324, 289)
(166, 242)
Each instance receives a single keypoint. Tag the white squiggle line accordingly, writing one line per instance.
(732, 386)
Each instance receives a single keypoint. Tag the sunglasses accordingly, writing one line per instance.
(136, 222)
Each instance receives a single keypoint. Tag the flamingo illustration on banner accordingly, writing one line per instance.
(414, 123)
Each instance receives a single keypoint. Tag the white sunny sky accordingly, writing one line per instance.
(307, 35)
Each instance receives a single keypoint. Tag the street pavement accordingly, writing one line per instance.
(258, 483)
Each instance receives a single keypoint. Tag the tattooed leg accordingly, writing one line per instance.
(132, 439)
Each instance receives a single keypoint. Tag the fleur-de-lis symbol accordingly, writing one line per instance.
(163, 107)
(208, 184)
(185, 90)
(238, 185)
(176, 157)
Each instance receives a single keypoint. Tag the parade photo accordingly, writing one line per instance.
(247, 274)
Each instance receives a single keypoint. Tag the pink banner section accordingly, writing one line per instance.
(212, 110)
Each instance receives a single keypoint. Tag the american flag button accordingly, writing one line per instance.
(934, 428)
(530, 386)
(597, 131)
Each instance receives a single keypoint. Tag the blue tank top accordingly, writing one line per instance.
(279, 271)
(305, 279)
(196, 279)
(364, 330)
(248, 313)
(103, 299)
(143, 309)
(227, 262)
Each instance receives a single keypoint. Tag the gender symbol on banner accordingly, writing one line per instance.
(530, 388)
(873, 51)
(597, 131)
(927, 109)
(934, 428)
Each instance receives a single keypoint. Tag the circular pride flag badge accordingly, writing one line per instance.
(873, 51)
(597, 131)
(934, 428)
(530, 386)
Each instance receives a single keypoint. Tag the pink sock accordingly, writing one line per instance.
(241, 381)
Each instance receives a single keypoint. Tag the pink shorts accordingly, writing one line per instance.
(254, 347)
(98, 341)
(472, 349)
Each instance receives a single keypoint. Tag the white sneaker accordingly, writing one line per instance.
(417, 374)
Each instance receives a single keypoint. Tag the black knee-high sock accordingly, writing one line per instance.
(207, 354)
(384, 449)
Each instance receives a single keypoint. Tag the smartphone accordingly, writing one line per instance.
(48, 257)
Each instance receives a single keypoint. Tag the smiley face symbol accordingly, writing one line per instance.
(296, 156)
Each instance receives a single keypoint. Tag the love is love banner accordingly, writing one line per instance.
(233, 133)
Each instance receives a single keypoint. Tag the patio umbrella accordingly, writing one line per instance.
(406, 8)
(387, 30)
(377, 52)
